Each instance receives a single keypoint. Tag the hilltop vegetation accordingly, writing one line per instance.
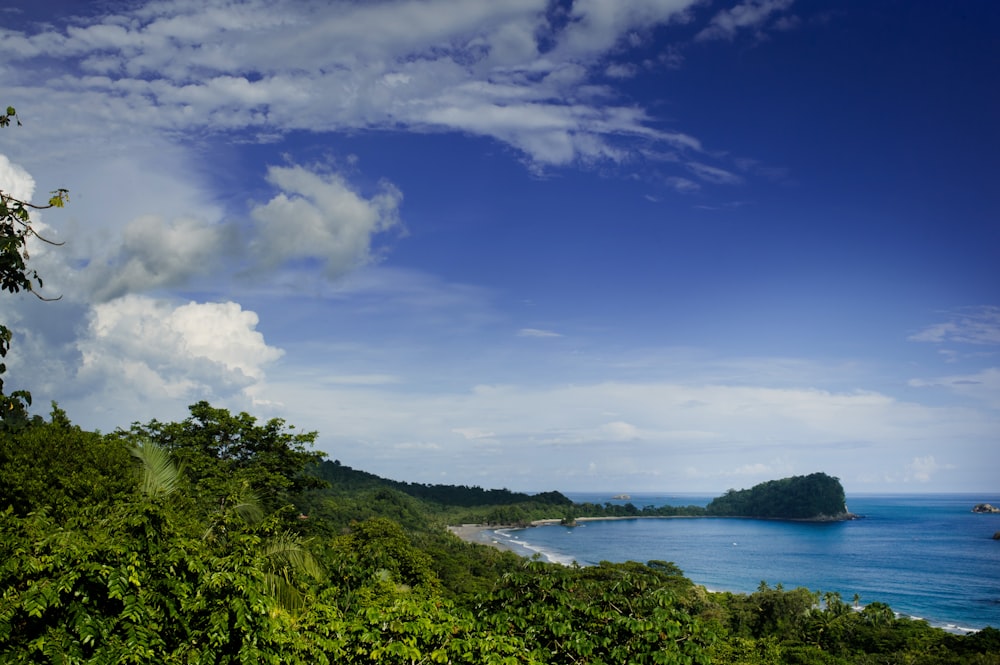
(815, 496)
(220, 539)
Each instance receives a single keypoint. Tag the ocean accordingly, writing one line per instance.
(928, 556)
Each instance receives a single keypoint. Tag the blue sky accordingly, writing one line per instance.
(658, 245)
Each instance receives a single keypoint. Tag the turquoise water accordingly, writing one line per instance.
(927, 556)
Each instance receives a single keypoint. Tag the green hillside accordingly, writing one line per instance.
(221, 539)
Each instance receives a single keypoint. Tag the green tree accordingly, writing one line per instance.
(58, 467)
(15, 276)
(143, 580)
(610, 613)
(224, 454)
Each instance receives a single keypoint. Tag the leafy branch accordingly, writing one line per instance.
(15, 275)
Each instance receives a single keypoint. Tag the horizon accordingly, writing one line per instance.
(523, 243)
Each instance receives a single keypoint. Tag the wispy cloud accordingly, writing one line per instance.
(749, 15)
(974, 325)
(502, 70)
(536, 332)
(983, 385)
(713, 174)
(683, 185)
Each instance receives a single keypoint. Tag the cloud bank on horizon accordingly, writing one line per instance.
(667, 245)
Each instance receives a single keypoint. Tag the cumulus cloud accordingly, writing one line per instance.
(155, 253)
(320, 217)
(154, 349)
(15, 181)
(748, 15)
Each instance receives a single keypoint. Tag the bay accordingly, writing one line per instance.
(928, 556)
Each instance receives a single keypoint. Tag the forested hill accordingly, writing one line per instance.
(816, 496)
(344, 477)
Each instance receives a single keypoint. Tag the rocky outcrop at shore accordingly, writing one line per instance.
(985, 508)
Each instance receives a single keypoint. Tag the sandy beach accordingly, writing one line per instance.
(482, 534)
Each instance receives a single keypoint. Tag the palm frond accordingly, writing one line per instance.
(285, 555)
(159, 476)
(248, 508)
(286, 551)
(287, 596)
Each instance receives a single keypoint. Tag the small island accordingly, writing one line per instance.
(816, 497)
(985, 508)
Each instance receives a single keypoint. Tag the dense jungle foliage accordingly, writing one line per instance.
(221, 539)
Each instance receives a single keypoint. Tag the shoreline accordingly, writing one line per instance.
(478, 534)
(483, 534)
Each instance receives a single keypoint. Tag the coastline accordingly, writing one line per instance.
(508, 537)
(483, 534)
(480, 533)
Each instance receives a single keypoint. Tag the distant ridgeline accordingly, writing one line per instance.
(813, 497)
(344, 477)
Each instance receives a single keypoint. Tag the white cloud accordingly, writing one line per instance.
(596, 26)
(748, 15)
(621, 70)
(321, 217)
(15, 181)
(620, 431)
(973, 325)
(435, 65)
(156, 350)
(155, 254)
(983, 385)
(536, 332)
(920, 469)
(683, 185)
(547, 436)
(713, 174)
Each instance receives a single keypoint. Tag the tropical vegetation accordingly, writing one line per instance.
(816, 496)
(221, 539)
